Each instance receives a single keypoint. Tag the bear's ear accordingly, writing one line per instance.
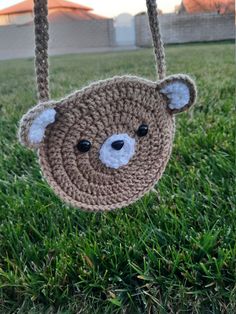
(180, 91)
(33, 124)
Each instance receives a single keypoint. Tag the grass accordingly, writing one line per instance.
(171, 252)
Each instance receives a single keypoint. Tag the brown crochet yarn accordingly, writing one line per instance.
(116, 106)
(105, 146)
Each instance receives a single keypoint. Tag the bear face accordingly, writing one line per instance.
(105, 146)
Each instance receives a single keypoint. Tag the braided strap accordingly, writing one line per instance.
(42, 38)
(156, 38)
(41, 48)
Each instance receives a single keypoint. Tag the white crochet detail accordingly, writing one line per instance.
(116, 158)
(37, 129)
(178, 93)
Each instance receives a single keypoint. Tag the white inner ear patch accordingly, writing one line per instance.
(37, 129)
(178, 93)
(114, 158)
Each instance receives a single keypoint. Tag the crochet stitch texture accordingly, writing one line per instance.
(115, 108)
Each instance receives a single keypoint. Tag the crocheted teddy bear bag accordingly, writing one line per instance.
(106, 145)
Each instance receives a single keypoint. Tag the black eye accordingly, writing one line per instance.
(84, 146)
(142, 130)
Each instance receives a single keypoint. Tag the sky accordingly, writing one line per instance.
(112, 8)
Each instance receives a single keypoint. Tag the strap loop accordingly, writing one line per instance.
(41, 48)
(42, 37)
(156, 38)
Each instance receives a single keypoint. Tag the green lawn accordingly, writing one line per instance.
(174, 251)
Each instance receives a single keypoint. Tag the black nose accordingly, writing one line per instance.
(117, 145)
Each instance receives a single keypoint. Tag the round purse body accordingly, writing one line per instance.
(109, 143)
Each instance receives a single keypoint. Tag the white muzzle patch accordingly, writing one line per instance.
(117, 150)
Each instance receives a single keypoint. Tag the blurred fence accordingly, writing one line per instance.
(65, 37)
(182, 28)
